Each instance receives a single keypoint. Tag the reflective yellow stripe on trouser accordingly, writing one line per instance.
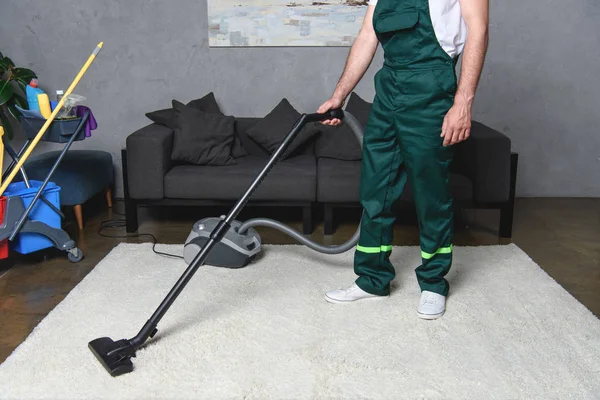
(442, 250)
(379, 249)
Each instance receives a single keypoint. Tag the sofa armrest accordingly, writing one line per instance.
(148, 160)
(485, 159)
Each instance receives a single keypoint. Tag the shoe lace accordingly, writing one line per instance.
(429, 299)
(350, 288)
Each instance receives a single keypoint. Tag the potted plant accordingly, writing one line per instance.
(13, 81)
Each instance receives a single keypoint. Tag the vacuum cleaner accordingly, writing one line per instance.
(222, 242)
(241, 243)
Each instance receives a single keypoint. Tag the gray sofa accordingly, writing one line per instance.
(484, 175)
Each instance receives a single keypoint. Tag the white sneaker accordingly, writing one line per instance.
(431, 305)
(350, 294)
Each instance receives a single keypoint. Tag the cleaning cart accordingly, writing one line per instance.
(30, 210)
(32, 216)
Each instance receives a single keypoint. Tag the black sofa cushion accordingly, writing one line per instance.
(242, 125)
(339, 142)
(237, 149)
(202, 138)
(167, 116)
(291, 180)
(338, 181)
(359, 108)
(271, 130)
(207, 104)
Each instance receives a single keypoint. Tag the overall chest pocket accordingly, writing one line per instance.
(399, 33)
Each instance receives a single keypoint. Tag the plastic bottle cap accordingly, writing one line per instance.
(33, 83)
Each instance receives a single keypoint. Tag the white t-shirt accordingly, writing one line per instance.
(448, 24)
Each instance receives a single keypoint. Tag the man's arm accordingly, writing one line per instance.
(361, 54)
(457, 124)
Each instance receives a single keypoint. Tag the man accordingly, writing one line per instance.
(419, 112)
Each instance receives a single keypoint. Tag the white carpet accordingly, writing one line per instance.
(510, 332)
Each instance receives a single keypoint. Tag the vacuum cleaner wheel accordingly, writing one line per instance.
(235, 250)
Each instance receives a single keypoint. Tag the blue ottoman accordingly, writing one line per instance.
(81, 175)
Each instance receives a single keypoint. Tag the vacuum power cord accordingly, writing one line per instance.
(121, 223)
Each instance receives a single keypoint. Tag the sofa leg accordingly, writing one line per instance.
(131, 216)
(109, 197)
(131, 209)
(78, 215)
(506, 221)
(508, 209)
(328, 217)
(307, 217)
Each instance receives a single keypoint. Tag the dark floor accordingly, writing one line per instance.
(561, 235)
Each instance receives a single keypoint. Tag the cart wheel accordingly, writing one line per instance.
(78, 256)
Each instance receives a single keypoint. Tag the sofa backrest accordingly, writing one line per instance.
(243, 124)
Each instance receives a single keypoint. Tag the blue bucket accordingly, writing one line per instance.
(26, 243)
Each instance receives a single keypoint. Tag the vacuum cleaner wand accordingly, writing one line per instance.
(116, 356)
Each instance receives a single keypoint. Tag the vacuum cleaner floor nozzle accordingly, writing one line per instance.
(114, 356)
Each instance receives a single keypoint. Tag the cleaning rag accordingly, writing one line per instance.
(91, 123)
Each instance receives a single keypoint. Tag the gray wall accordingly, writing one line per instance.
(539, 85)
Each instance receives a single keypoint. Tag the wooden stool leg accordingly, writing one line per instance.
(109, 196)
(78, 215)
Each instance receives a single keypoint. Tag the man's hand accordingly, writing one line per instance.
(331, 104)
(457, 124)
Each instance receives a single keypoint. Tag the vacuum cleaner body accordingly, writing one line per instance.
(235, 250)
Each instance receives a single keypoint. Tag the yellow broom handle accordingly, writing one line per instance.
(42, 131)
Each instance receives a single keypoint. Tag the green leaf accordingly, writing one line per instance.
(12, 109)
(21, 102)
(23, 76)
(6, 64)
(6, 91)
(10, 63)
(22, 86)
(8, 129)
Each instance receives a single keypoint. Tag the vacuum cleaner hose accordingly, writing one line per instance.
(270, 223)
(357, 129)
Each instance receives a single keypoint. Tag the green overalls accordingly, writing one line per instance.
(414, 90)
